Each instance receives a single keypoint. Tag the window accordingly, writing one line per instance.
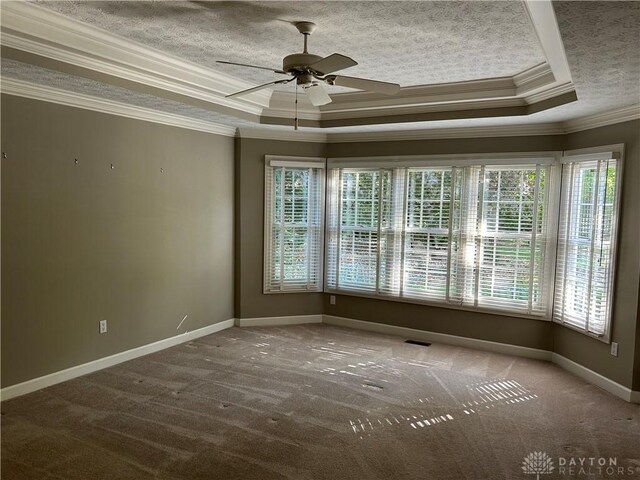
(294, 223)
(586, 242)
(427, 233)
(468, 235)
(512, 238)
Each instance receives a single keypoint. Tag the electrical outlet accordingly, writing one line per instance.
(103, 326)
(614, 349)
(332, 299)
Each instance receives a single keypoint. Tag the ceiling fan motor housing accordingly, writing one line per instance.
(299, 62)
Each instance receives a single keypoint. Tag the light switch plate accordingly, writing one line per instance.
(614, 349)
(332, 299)
(103, 326)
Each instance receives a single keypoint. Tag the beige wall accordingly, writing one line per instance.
(580, 348)
(249, 227)
(85, 242)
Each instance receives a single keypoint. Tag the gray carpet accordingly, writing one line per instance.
(314, 402)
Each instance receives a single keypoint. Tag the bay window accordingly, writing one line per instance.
(519, 234)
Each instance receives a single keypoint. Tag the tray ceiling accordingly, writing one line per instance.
(464, 41)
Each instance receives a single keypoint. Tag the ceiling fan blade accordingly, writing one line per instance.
(251, 66)
(317, 95)
(364, 84)
(259, 87)
(333, 63)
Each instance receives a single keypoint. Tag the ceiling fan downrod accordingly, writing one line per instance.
(306, 29)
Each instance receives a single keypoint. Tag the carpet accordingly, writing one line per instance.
(317, 402)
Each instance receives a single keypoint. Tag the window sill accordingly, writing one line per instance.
(278, 292)
(605, 338)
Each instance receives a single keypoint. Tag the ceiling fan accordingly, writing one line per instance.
(312, 71)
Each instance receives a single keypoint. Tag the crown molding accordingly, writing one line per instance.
(417, 95)
(458, 106)
(39, 31)
(533, 79)
(611, 117)
(288, 135)
(445, 133)
(21, 88)
(531, 86)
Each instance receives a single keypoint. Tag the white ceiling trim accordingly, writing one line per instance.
(286, 135)
(611, 117)
(526, 88)
(475, 90)
(49, 94)
(33, 29)
(555, 128)
(533, 79)
(545, 24)
(21, 88)
(552, 92)
(444, 133)
(430, 108)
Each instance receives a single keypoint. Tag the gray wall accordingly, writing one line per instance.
(580, 348)
(85, 242)
(250, 302)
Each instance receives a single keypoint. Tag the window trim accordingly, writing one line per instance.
(319, 163)
(616, 151)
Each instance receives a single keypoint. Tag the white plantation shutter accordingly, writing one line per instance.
(586, 243)
(428, 226)
(294, 225)
(363, 230)
(512, 239)
(475, 236)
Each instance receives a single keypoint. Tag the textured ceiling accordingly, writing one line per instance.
(602, 42)
(71, 83)
(411, 43)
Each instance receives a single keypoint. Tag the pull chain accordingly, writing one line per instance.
(295, 121)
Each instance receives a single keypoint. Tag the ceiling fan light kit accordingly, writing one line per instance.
(312, 71)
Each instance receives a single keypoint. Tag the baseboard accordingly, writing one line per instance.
(425, 335)
(275, 321)
(579, 370)
(77, 371)
(595, 378)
